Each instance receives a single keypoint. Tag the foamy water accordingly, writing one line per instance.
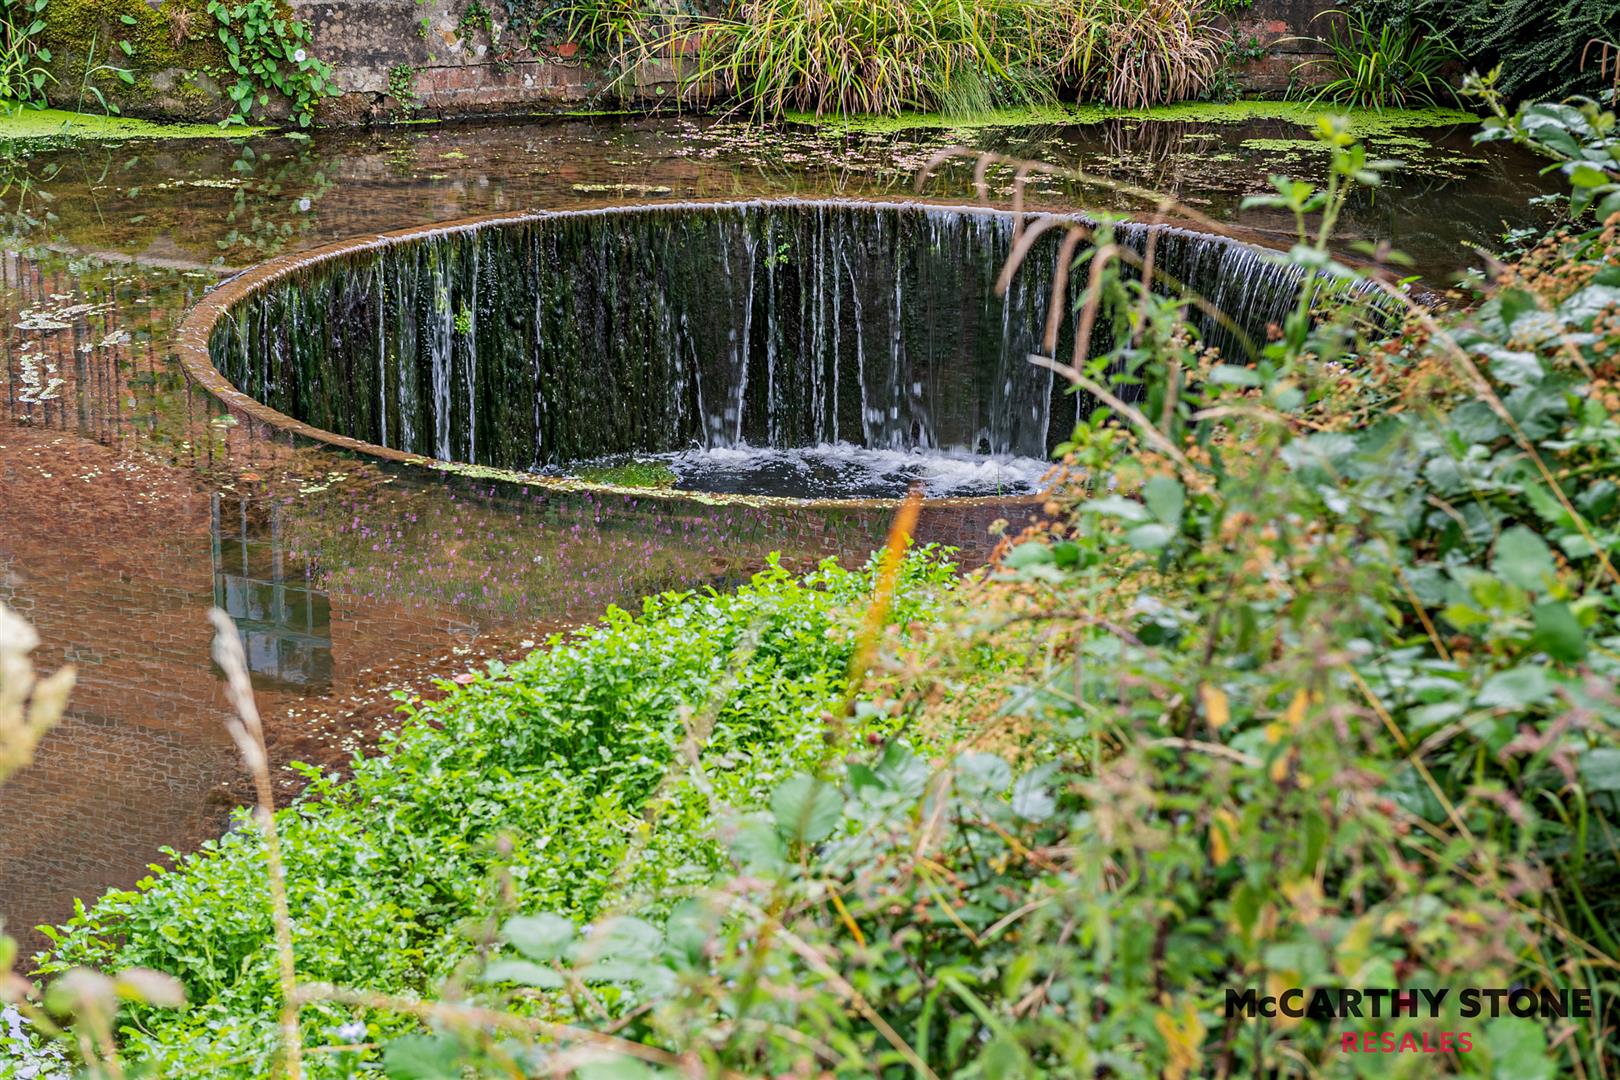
(843, 470)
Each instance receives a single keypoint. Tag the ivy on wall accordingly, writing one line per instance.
(269, 53)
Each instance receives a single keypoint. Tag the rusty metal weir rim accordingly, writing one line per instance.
(191, 343)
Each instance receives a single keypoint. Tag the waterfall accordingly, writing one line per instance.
(654, 329)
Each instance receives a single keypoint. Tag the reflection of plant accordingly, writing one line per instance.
(87, 85)
(1385, 64)
(265, 229)
(269, 53)
(24, 202)
(22, 57)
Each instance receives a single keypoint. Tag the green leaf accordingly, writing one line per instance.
(523, 973)
(1558, 632)
(902, 771)
(757, 846)
(1524, 559)
(539, 937)
(1149, 537)
(1029, 553)
(1518, 687)
(1231, 375)
(1030, 799)
(1583, 175)
(1600, 769)
(1118, 506)
(422, 1057)
(980, 774)
(625, 937)
(617, 1068)
(1165, 496)
(1518, 1049)
(806, 809)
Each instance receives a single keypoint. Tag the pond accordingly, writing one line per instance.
(131, 499)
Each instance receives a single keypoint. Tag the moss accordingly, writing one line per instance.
(633, 474)
(23, 123)
(171, 45)
(1365, 123)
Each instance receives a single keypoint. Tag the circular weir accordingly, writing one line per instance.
(802, 349)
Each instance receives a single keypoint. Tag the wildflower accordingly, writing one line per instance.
(299, 56)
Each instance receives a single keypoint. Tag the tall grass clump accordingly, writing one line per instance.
(848, 57)
(1376, 65)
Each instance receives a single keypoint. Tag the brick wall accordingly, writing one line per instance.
(1283, 29)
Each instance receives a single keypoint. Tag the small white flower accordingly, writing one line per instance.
(353, 1031)
(303, 204)
(299, 56)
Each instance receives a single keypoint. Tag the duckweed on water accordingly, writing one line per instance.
(1364, 123)
(24, 123)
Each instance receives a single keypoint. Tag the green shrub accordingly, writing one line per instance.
(1395, 64)
(1327, 699)
(1538, 43)
(527, 788)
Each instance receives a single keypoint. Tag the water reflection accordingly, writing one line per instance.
(285, 622)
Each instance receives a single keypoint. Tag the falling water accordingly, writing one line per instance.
(713, 326)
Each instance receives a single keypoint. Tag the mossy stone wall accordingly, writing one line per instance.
(176, 59)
